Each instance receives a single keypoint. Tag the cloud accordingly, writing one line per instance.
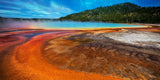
(33, 9)
(60, 8)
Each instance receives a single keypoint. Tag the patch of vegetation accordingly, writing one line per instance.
(120, 13)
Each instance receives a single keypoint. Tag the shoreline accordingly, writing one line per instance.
(144, 24)
(145, 27)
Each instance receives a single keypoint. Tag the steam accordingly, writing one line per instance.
(50, 24)
(11, 23)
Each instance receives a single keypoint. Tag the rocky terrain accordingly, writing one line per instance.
(127, 54)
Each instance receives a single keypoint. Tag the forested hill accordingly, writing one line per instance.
(120, 13)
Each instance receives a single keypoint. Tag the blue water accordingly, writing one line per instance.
(81, 25)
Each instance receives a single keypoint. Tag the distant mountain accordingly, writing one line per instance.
(120, 13)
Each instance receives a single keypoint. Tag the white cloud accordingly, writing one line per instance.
(32, 8)
(61, 8)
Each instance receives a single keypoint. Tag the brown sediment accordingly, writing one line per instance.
(39, 54)
(94, 53)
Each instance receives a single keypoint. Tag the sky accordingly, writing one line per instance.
(58, 8)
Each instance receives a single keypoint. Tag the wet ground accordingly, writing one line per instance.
(37, 54)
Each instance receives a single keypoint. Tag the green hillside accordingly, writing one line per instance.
(120, 13)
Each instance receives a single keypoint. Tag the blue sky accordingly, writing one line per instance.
(58, 8)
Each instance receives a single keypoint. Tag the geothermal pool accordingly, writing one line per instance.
(82, 25)
(63, 25)
(30, 53)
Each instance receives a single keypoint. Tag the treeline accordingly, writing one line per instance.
(120, 13)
